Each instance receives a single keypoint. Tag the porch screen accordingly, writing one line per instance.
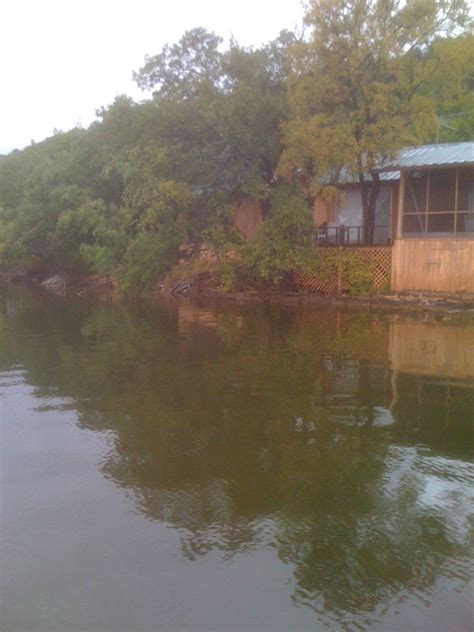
(439, 203)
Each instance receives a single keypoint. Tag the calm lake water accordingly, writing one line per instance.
(178, 465)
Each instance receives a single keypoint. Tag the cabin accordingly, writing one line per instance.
(433, 248)
(424, 222)
(423, 239)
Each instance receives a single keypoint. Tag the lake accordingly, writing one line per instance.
(178, 465)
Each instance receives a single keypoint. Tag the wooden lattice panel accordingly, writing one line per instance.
(316, 284)
(379, 259)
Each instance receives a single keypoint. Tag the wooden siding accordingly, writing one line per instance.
(323, 211)
(433, 265)
(248, 215)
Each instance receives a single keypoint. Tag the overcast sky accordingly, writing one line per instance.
(62, 59)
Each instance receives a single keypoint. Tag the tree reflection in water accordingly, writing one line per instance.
(306, 432)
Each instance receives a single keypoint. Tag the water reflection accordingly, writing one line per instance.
(339, 441)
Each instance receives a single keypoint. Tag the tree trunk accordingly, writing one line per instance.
(369, 194)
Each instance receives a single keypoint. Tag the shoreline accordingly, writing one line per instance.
(440, 307)
(443, 307)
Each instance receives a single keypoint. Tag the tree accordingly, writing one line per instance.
(282, 244)
(214, 127)
(38, 186)
(219, 111)
(357, 93)
(182, 69)
(451, 85)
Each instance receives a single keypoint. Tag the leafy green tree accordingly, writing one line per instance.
(38, 186)
(145, 178)
(358, 90)
(220, 112)
(451, 85)
(283, 243)
(182, 70)
(214, 130)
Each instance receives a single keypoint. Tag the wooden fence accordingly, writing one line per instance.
(377, 258)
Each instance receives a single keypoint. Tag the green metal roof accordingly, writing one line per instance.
(433, 156)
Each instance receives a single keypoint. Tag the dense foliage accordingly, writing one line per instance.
(125, 195)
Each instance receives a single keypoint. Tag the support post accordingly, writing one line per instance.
(339, 273)
(401, 203)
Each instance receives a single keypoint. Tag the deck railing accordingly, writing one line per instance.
(353, 236)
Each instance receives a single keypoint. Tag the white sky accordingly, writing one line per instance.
(62, 59)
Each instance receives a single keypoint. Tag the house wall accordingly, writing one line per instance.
(323, 211)
(433, 265)
(248, 216)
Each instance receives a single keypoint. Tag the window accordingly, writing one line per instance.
(439, 203)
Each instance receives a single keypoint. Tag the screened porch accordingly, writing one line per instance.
(438, 203)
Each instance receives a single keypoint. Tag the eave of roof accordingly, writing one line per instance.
(346, 176)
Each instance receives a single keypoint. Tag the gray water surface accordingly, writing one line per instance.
(199, 466)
